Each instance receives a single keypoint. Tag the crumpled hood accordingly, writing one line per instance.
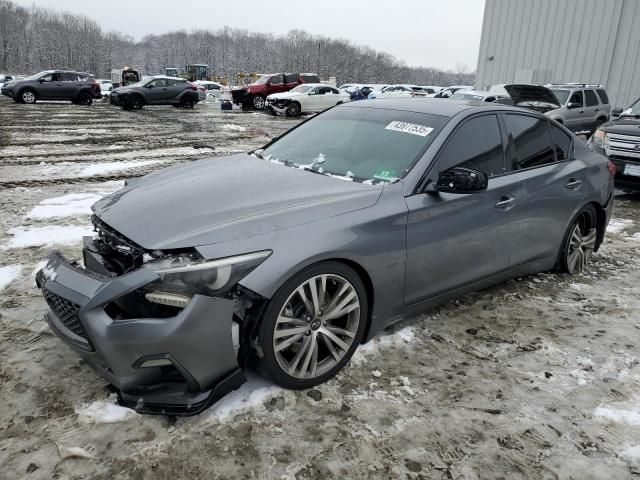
(531, 94)
(284, 95)
(226, 198)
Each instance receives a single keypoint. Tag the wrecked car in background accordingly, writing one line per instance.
(307, 98)
(255, 94)
(296, 253)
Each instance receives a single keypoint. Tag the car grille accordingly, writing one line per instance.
(66, 311)
(623, 145)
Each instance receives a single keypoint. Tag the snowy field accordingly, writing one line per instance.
(536, 378)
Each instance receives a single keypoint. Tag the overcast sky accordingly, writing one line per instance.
(434, 33)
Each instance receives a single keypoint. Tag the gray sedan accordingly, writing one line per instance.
(295, 254)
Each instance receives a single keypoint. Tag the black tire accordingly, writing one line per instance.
(269, 363)
(258, 102)
(586, 224)
(28, 96)
(84, 99)
(294, 109)
(135, 102)
(188, 102)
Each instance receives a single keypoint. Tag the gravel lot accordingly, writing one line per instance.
(536, 378)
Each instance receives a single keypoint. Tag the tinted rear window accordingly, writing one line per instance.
(561, 143)
(590, 98)
(291, 77)
(366, 143)
(531, 139)
(604, 98)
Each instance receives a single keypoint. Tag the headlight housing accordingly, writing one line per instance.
(189, 275)
(599, 138)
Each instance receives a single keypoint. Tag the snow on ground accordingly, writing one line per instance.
(625, 413)
(233, 128)
(23, 237)
(383, 341)
(617, 225)
(8, 274)
(104, 411)
(104, 168)
(73, 204)
(631, 455)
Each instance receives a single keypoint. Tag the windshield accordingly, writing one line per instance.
(561, 95)
(360, 144)
(633, 110)
(302, 88)
(262, 80)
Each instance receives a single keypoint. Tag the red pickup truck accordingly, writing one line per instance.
(255, 94)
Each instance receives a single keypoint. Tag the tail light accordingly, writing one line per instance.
(194, 87)
(612, 168)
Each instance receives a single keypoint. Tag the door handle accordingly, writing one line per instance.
(573, 184)
(506, 202)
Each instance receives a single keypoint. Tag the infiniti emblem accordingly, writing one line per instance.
(637, 147)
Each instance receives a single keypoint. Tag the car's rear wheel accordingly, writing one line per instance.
(313, 325)
(136, 102)
(579, 242)
(258, 102)
(28, 96)
(84, 99)
(294, 109)
(188, 102)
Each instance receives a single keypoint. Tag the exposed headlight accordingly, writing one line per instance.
(188, 275)
(599, 138)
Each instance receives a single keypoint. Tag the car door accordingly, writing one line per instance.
(313, 100)
(156, 91)
(456, 239)
(591, 109)
(71, 83)
(552, 182)
(175, 88)
(50, 86)
(277, 84)
(575, 116)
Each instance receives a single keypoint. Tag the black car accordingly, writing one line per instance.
(619, 140)
(158, 90)
(78, 87)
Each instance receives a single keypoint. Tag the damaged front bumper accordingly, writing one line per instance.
(176, 365)
(278, 106)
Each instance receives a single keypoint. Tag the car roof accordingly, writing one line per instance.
(433, 106)
(167, 77)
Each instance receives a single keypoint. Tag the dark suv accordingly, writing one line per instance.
(255, 95)
(78, 87)
(158, 90)
(619, 140)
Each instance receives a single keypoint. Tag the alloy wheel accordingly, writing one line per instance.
(316, 326)
(580, 248)
(29, 97)
(258, 102)
(293, 110)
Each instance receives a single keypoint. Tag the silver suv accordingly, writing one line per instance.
(583, 107)
(78, 87)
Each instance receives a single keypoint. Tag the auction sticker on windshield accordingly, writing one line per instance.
(412, 128)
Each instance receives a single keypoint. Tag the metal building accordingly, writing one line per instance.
(554, 41)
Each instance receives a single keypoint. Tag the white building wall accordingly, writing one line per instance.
(547, 41)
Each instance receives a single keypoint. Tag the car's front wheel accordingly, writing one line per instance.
(28, 96)
(258, 102)
(313, 325)
(579, 242)
(136, 102)
(293, 109)
(188, 102)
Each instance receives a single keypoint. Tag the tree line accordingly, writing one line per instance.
(35, 39)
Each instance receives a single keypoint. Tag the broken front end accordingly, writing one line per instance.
(163, 327)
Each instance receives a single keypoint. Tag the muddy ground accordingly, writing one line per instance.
(536, 378)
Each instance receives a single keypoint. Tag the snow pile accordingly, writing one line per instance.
(73, 204)
(104, 411)
(635, 237)
(629, 416)
(8, 274)
(22, 237)
(104, 168)
(233, 128)
(249, 396)
(631, 455)
(617, 225)
(398, 339)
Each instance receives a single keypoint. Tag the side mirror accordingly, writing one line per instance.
(149, 86)
(573, 105)
(616, 112)
(461, 180)
(41, 80)
(312, 92)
